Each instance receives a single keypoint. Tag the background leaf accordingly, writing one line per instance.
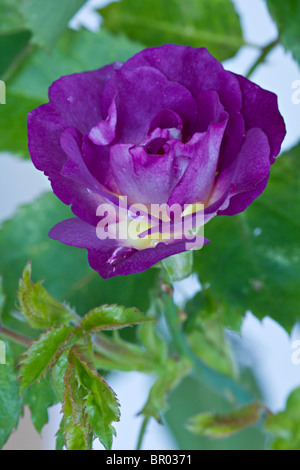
(190, 398)
(224, 425)
(287, 16)
(199, 23)
(39, 397)
(285, 426)
(48, 20)
(253, 261)
(10, 404)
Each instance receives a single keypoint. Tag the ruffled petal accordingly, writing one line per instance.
(260, 109)
(141, 94)
(78, 97)
(198, 179)
(194, 68)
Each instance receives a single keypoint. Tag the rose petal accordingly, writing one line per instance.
(141, 94)
(77, 97)
(260, 109)
(108, 257)
(45, 127)
(195, 69)
(197, 181)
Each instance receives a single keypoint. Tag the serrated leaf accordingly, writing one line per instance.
(58, 372)
(71, 279)
(210, 23)
(287, 16)
(74, 425)
(256, 254)
(41, 354)
(110, 317)
(220, 426)
(10, 403)
(39, 397)
(285, 426)
(41, 310)
(100, 402)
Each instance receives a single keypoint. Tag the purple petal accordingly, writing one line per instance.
(145, 178)
(105, 131)
(96, 158)
(198, 179)
(142, 93)
(77, 97)
(246, 177)
(195, 69)
(45, 127)
(260, 109)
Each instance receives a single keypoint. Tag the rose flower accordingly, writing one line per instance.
(168, 127)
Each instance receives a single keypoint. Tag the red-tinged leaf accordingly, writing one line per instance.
(41, 353)
(110, 317)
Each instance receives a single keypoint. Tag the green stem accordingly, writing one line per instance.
(142, 433)
(264, 52)
(216, 381)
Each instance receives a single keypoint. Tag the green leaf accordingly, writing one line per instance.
(48, 20)
(199, 23)
(99, 402)
(11, 16)
(41, 310)
(220, 426)
(41, 354)
(58, 372)
(285, 426)
(10, 404)
(39, 397)
(74, 426)
(256, 254)
(192, 397)
(11, 45)
(13, 118)
(110, 317)
(287, 16)
(68, 275)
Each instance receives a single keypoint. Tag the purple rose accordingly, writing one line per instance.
(170, 126)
